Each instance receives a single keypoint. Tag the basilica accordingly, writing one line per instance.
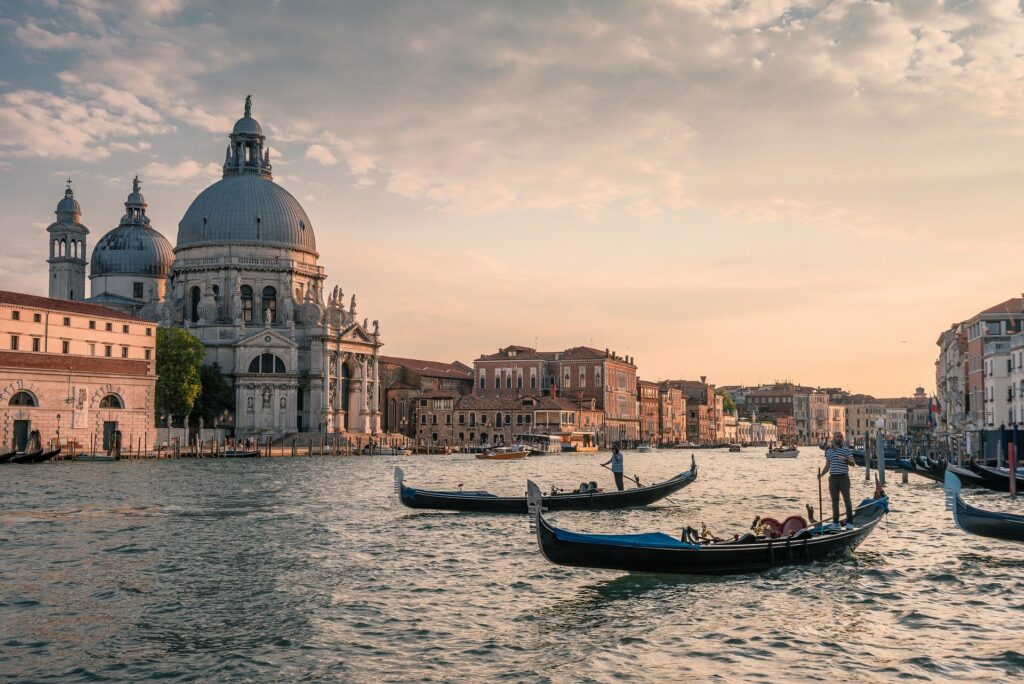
(244, 279)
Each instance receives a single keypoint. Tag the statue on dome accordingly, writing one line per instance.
(248, 105)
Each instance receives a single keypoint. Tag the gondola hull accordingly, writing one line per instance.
(995, 479)
(240, 453)
(660, 553)
(35, 457)
(483, 502)
(935, 473)
(966, 476)
(993, 524)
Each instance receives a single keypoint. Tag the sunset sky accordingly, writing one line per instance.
(749, 191)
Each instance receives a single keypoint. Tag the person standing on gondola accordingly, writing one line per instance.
(838, 459)
(616, 463)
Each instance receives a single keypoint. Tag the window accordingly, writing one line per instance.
(109, 327)
(482, 381)
(36, 343)
(36, 318)
(149, 332)
(137, 290)
(92, 325)
(433, 436)
(246, 293)
(124, 329)
(533, 382)
(526, 418)
(583, 378)
(196, 297)
(124, 352)
(23, 398)
(519, 419)
(108, 350)
(423, 403)
(269, 305)
(65, 347)
(149, 354)
(497, 380)
(111, 401)
(508, 381)
(462, 419)
(497, 420)
(423, 419)
(472, 420)
(433, 419)
(519, 381)
(67, 321)
(448, 419)
(15, 315)
(14, 342)
(267, 363)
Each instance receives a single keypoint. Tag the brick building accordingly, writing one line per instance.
(75, 371)
(405, 380)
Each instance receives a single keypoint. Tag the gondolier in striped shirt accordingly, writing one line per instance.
(838, 459)
(616, 463)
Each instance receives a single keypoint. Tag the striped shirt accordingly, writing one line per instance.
(836, 457)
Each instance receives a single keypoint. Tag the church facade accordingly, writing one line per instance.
(243, 278)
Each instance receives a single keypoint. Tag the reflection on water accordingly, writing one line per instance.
(288, 569)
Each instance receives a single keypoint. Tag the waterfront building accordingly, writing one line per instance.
(671, 414)
(579, 374)
(744, 431)
(700, 409)
(998, 392)
(243, 277)
(765, 433)
(76, 372)
(837, 419)
(950, 383)
(729, 432)
(405, 380)
(862, 414)
(648, 395)
(995, 324)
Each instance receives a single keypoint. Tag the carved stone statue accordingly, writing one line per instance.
(208, 305)
(288, 311)
(352, 308)
(376, 328)
(236, 300)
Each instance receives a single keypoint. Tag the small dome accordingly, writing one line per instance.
(134, 250)
(137, 199)
(69, 205)
(247, 126)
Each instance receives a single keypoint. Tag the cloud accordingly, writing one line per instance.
(321, 154)
(188, 170)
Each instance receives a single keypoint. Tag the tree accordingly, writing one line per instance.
(216, 395)
(178, 357)
(727, 405)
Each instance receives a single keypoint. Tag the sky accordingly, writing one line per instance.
(749, 191)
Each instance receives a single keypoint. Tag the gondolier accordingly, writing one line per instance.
(838, 459)
(616, 463)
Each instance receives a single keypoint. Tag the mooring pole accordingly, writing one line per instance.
(880, 449)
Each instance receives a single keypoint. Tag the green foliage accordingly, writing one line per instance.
(727, 404)
(178, 357)
(216, 395)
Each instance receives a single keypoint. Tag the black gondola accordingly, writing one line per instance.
(891, 458)
(1005, 526)
(662, 553)
(965, 475)
(7, 456)
(995, 479)
(933, 470)
(240, 453)
(591, 500)
(35, 456)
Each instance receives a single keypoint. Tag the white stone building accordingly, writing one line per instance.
(998, 388)
(244, 278)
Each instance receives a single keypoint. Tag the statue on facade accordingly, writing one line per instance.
(208, 305)
(288, 310)
(236, 300)
(376, 328)
(352, 308)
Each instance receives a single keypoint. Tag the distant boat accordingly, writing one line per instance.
(645, 448)
(95, 458)
(733, 448)
(503, 454)
(783, 452)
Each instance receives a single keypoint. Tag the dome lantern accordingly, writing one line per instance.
(245, 153)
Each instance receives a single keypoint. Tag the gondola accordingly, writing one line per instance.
(662, 553)
(933, 470)
(891, 459)
(966, 476)
(35, 456)
(7, 456)
(95, 458)
(994, 478)
(1005, 526)
(485, 502)
(240, 453)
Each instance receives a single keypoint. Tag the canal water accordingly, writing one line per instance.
(308, 569)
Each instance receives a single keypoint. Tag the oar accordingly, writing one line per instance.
(635, 479)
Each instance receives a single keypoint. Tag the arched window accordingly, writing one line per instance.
(267, 363)
(111, 401)
(269, 305)
(472, 420)
(196, 295)
(23, 398)
(246, 292)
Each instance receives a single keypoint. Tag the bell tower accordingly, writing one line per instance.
(67, 249)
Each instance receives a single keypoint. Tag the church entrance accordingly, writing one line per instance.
(109, 432)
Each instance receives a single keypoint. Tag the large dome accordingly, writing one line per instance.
(246, 209)
(132, 250)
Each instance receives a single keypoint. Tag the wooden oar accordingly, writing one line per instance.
(635, 479)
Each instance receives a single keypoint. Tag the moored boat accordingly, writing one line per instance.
(503, 454)
(592, 499)
(94, 458)
(996, 479)
(6, 456)
(933, 470)
(662, 553)
(981, 522)
(35, 456)
(644, 448)
(240, 453)
(735, 448)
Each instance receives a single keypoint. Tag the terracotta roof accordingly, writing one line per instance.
(438, 394)
(36, 302)
(439, 369)
(527, 353)
(1010, 306)
(82, 364)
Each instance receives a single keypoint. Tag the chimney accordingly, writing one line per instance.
(703, 379)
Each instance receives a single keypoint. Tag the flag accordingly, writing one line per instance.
(934, 412)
